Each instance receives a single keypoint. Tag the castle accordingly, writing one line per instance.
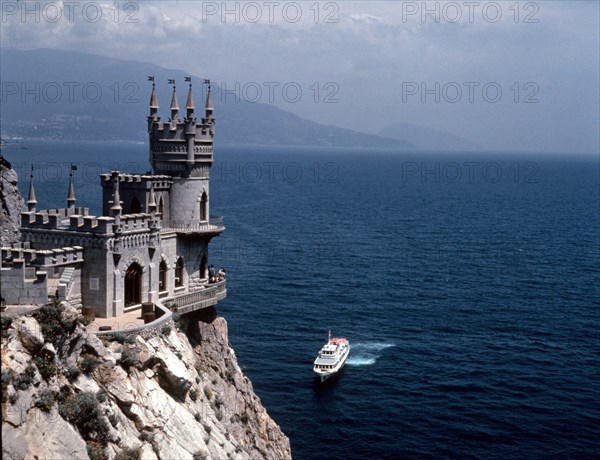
(151, 241)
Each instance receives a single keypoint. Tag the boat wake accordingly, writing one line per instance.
(366, 353)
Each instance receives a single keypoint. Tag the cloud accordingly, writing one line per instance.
(369, 50)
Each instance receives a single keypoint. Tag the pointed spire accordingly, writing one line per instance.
(174, 103)
(189, 105)
(209, 103)
(71, 194)
(153, 100)
(31, 201)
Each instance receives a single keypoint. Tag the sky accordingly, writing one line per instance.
(507, 75)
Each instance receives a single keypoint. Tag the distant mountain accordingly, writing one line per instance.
(67, 95)
(428, 138)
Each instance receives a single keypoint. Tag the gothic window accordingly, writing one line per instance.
(204, 207)
(136, 206)
(179, 272)
(133, 285)
(162, 276)
(160, 206)
(203, 267)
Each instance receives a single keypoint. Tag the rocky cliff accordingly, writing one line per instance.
(174, 393)
(11, 204)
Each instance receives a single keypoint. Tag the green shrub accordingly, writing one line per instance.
(122, 338)
(129, 454)
(6, 322)
(85, 320)
(128, 358)
(72, 372)
(83, 411)
(166, 330)
(88, 363)
(95, 451)
(45, 400)
(6, 379)
(208, 392)
(46, 366)
(101, 396)
(23, 381)
(194, 394)
(52, 323)
(200, 455)
(244, 417)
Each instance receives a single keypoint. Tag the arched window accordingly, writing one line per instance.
(203, 267)
(204, 207)
(133, 285)
(162, 276)
(136, 206)
(179, 272)
(160, 205)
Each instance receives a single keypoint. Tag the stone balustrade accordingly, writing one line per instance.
(199, 299)
(214, 225)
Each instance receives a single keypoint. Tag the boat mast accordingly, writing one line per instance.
(329, 336)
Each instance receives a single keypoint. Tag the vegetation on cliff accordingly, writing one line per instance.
(163, 395)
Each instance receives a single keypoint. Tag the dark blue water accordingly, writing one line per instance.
(468, 286)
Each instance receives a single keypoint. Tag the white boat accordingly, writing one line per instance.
(331, 358)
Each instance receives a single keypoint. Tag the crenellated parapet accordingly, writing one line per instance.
(50, 218)
(181, 146)
(49, 258)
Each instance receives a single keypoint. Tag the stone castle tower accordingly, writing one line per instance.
(149, 245)
(182, 148)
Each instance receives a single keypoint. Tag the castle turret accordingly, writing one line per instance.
(71, 195)
(174, 109)
(190, 127)
(116, 207)
(31, 201)
(182, 149)
(153, 101)
(209, 103)
(189, 105)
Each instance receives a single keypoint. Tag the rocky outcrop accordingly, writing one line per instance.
(11, 203)
(169, 394)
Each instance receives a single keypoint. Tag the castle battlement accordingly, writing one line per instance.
(150, 241)
(17, 256)
(181, 147)
(157, 180)
(84, 223)
(50, 218)
(133, 222)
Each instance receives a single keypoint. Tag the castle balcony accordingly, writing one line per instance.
(197, 300)
(213, 226)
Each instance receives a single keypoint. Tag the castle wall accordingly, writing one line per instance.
(96, 281)
(23, 285)
(185, 198)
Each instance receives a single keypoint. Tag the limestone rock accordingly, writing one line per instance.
(46, 436)
(172, 369)
(30, 334)
(185, 394)
(11, 204)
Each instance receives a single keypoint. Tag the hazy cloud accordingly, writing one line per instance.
(543, 56)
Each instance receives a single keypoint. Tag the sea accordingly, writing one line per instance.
(468, 285)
